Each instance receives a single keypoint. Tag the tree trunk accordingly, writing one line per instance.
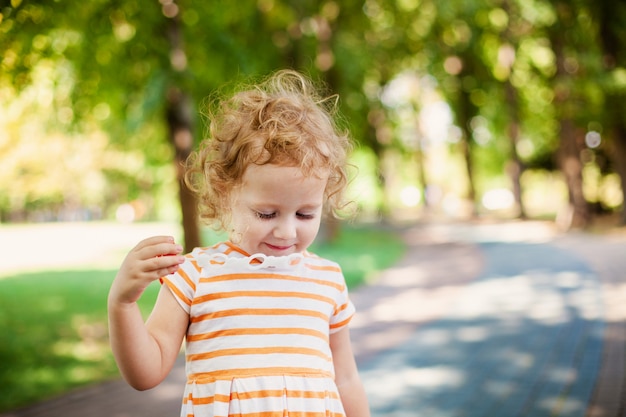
(180, 135)
(570, 164)
(617, 154)
(515, 168)
(325, 62)
(571, 143)
(422, 180)
(466, 112)
(614, 52)
(179, 115)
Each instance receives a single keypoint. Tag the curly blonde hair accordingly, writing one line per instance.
(281, 121)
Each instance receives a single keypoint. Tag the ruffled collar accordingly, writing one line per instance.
(252, 262)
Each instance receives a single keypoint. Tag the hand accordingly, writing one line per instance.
(150, 260)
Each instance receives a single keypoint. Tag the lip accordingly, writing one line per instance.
(278, 248)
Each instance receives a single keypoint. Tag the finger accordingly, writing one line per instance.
(160, 273)
(154, 240)
(171, 270)
(164, 263)
(157, 247)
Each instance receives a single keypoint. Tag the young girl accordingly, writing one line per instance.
(265, 321)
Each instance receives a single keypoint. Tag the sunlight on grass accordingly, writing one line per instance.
(55, 333)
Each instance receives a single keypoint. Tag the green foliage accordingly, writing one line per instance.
(109, 67)
(73, 71)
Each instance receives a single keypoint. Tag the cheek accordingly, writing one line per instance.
(240, 216)
(239, 227)
(312, 229)
(253, 229)
(244, 232)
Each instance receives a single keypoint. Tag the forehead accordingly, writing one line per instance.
(277, 182)
(281, 174)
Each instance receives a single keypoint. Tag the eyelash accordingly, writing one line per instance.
(269, 216)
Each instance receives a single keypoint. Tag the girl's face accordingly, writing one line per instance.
(277, 211)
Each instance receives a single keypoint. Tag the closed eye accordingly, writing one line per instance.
(268, 216)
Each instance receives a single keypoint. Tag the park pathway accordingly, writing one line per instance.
(499, 320)
(538, 332)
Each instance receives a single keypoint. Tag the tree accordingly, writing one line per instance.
(521, 74)
(116, 59)
(610, 17)
(153, 64)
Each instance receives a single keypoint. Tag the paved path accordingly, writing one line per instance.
(538, 332)
(483, 320)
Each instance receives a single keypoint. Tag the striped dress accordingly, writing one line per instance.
(258, 338)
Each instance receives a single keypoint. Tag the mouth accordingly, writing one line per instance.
(279, 248)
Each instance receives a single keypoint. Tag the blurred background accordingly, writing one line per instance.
(462, 110)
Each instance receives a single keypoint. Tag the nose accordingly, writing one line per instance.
(285, 229)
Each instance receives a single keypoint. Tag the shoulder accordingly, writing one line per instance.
(201, 257)
(323, 268)
(220, 247)
(191, 267)
(223, 248)
(314, 259)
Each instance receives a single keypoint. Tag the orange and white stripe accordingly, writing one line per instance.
(258, 341)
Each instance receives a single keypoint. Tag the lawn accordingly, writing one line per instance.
(54, 325)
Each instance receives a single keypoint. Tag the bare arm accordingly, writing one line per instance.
(145, 353)
(347, 377)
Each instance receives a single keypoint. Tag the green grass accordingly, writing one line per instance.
(53, 325)
(54, 333)
(362, 252)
